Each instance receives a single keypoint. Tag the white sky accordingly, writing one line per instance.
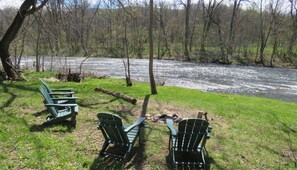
(10, 3)
(17, 3)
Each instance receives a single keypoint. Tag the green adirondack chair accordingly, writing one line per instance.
(115, 133)
(59, 111)
(56, 92)
(189, 139)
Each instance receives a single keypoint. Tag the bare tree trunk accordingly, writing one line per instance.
(37, 66)
(167, 45)
(263, 37)
(28, 7)
(187, 30)
(274, 9)
(18, 57)
(18, 63)
(162, 34)
(274, 48)
(230, 44)
(84, 31)
(128, 75)
(151, 49)
(209, 12)
(224, 57)
(192, 35)
(127, 14)
(293, 38)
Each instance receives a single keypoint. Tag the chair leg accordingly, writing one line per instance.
(128, 151)
(203, 159)
(104, 147)
(140, 138)
(169, 143)
(173, 157)
(73, 120)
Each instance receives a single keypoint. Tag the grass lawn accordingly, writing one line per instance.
(248, 132)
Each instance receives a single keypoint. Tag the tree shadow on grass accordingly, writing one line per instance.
(94, 104)
(288, 130)
(137, 153)
(124, 113)
(106, 163)
(6, 88)
(109, 162)
(37, 114)
(10, 99)
(67, 127)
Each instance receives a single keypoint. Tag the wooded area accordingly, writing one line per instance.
(217, 31)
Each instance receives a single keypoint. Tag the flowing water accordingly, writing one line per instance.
(276, 83)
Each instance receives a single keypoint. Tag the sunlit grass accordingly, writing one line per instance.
(249, 132)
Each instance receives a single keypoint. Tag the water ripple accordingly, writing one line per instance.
(276, 83)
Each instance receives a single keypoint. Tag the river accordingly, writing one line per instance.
(275, 83)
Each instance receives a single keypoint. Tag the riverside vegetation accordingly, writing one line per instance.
(248, 132)
(240, 32)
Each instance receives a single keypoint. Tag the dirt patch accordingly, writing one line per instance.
(290, 154)
(158, 108)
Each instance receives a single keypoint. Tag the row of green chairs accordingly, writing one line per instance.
(60, 108)
(189, 139)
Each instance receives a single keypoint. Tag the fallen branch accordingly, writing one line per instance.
(117, 94)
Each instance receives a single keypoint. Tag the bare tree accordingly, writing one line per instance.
(127, 16)
(187, 7)
(28, 7)
(275, 9)
(209, 11)
(83, 31)
(38, 44)
(19, 46)
(195, 23)
(151, 48)
(232, 31)
(264, 33)
(293, 37)
(221, 43)
(162, 35)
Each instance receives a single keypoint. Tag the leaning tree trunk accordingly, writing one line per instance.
(28, 7)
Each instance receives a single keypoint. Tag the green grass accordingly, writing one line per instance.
(249, 132)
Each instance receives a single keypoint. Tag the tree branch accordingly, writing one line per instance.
(34, 9)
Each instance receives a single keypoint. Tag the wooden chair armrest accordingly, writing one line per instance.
(169, 123)
(137, 123)
(65, 98)
(62, 90)
(60, 93)
(62, 105)
(208, 131)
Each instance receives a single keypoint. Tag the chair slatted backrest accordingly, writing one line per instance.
(112, 128)
(46, 86)
(48, 100)
(190, 134)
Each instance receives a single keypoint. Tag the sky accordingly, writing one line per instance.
(10, 3)
(17, 3)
